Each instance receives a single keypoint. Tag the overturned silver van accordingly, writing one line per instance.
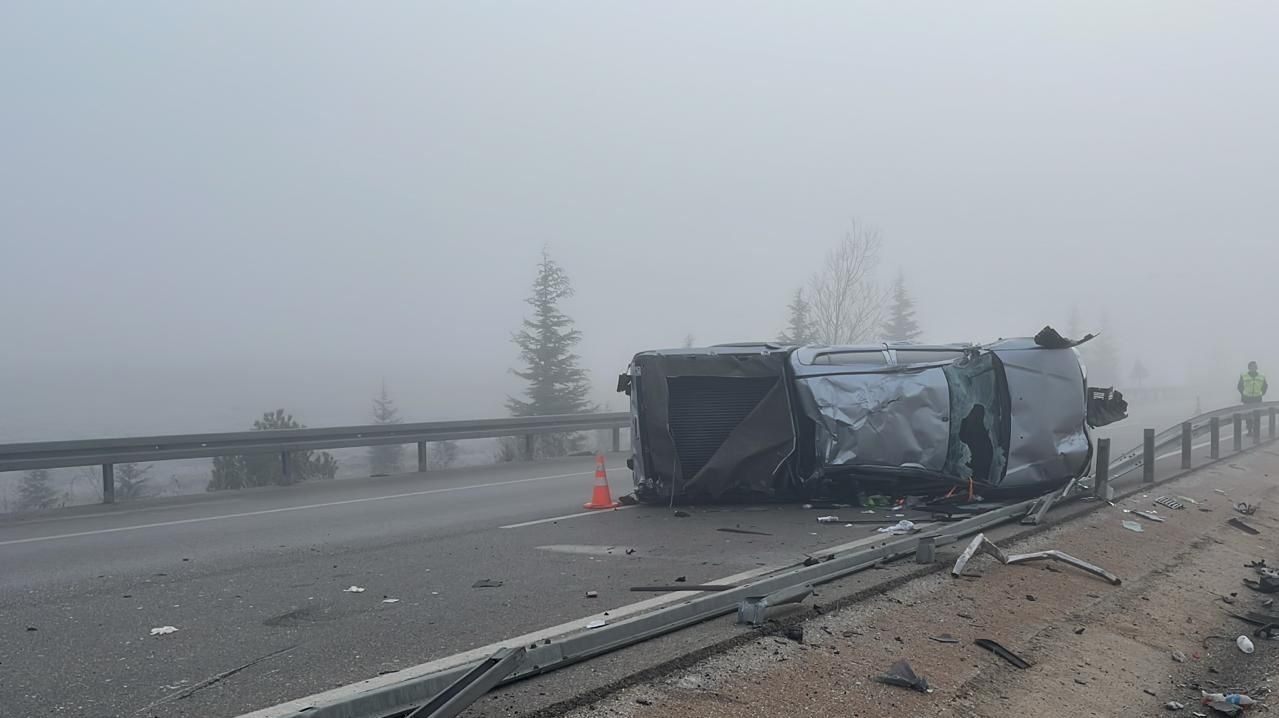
(764, 421)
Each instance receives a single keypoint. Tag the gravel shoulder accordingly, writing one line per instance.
(1096, 649)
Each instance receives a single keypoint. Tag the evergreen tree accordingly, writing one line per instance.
(901, 325)
(1139, 373)
(242, 472)
(131, 481)
(799, 330)
(556, 384)
(385, 459)
(35, 492)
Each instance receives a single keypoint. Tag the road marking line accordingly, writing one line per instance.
(285, 509)
(613, 615)
(565, 517)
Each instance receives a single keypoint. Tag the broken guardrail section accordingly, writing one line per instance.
(981, 544)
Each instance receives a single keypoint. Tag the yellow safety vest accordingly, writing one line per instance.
(1252, 384)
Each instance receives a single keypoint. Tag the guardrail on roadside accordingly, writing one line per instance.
(109, 452)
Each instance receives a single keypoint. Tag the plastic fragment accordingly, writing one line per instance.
(901, 674)
(1174, 705)
(1245, 644)
(898, 529)
(163, 630)
(597, 624)
(1133, 526)
(354, 589)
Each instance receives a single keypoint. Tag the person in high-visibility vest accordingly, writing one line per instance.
(1252, 389)
(1252, 385)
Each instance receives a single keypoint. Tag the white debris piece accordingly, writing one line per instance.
(354, 589)
(163, 630)
(1245, 644)
(899, 528)
(597, 624)
(390, 600)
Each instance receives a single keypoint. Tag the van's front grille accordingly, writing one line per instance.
(704, 410)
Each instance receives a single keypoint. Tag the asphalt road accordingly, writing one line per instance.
(263, 573)
(242, 576)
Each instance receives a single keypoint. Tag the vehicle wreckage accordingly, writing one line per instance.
(746, 422)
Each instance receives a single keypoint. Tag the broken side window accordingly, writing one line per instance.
(978, 445)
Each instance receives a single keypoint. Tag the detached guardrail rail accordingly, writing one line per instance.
(109, 452)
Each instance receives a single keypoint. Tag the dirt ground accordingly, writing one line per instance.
(1096, 649)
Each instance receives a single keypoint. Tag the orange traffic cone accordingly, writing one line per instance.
(600, 497)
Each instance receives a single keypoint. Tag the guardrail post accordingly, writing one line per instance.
(285, 468)
(1148, 457)
(1238, 431)
(528, 447)
(1185, 444)
(1214, 439)
(926, 550)
(617, 439)
(108, 483)
(1101, 482)
(1256, 426)
(421, 457)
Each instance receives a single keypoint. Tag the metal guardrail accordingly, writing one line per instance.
(1206, 424)
(109, 452)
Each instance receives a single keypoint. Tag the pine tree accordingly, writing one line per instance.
(385, 459)
(799, 330)
(35, 492)
(901, 325)
(1139, 373)
(556, 384)
(242, 472)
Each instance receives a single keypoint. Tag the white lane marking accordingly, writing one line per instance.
(475, 654)
(565, 517)
(305, 507)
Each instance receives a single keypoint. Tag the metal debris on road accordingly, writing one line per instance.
(1239, 524)
(827, 519)
(682, 587)
(681, 514)
(1149, 516)
(1003, 653)
(944, 638)
(745, 531)
(1169, 502)
(592, 594)
(1133, 526)
(979, 544)
(901, 674)
(163, 630)
(1066, 559)
(390, 600)
(1245, 508)
(1178, 656)
(599, 623)
(484, 583)
(353, 589)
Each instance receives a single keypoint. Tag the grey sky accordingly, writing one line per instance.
(216, 208)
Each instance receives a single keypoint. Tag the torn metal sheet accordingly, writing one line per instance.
(1067, 559)
(979, 544)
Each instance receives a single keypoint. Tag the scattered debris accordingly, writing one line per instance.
(1245, 644)
(592, 594)
(901, 674)
(1234, 699)
(1002, 652)
(598, 623)
(1133, 526)
(1149, 692)
(163, 630)
(32, 628)
(744, 531)
(1239, 524)
(483, 583)
(827, 519)
(354, 589)
(1150, 516)
(1080, 631)
(1178, 656)
(1225, 709)
(1228, 600)
(681, 579)
(1170, 503)
(681, 514)
(1223, 493)
(1245, 508)
(944, 638)
(810, 561)
(1174, 706)
(630, 551)
(899, 529)
(1269, 631)
(390, 600)
(794, 633)
(979, 544)
(1031, 597)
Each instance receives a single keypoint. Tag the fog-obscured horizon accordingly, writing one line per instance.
(213, 210)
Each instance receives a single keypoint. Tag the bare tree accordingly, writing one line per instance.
(847, 304)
